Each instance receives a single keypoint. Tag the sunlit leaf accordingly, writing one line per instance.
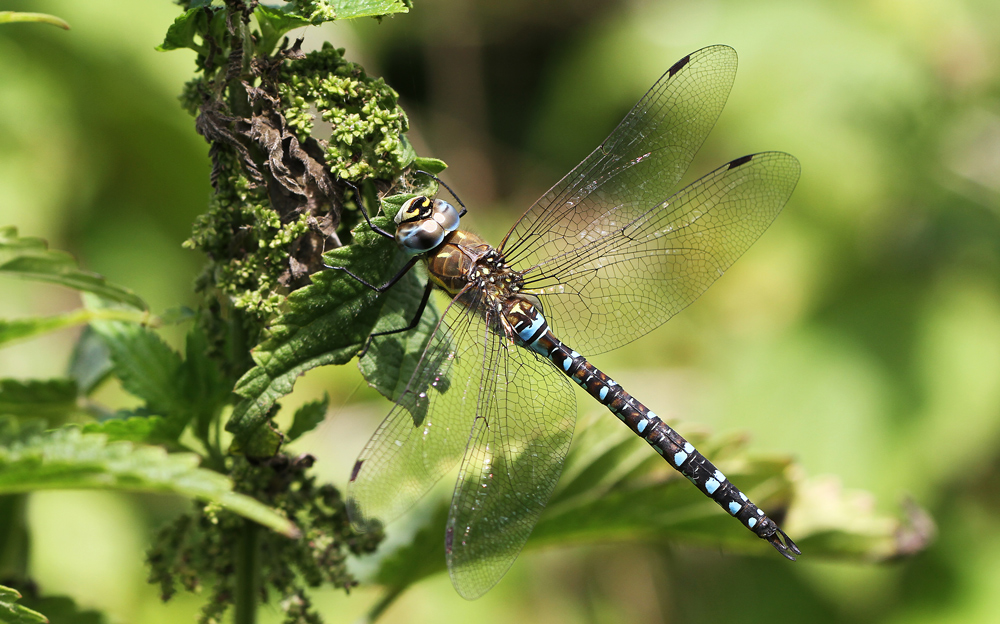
(70, 459)
(274, 23)
(182, 33)
(392, 359)
(64, 610)
(13, 613)
(430, 165)
(30, 258)
(327, 322)
(144, 429)
(319, 11)
(9, 17)
(20, 329)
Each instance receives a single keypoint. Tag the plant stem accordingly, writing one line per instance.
(14, 537)
(247, 574)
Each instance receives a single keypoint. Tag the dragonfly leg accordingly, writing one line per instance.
(442, 183)
(364, 213)
(413, 322)
(384, 287)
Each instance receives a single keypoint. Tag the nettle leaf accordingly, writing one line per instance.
(91, 362)
(614, 488)
(148, 369)
(409, 154)
(21, 329)
(30, 258)
(12, 613)
(391, 360)
(70, 459)
(274, 23)
(144, 429)
(319, 11)
(204, 388)
(64, 610)
(327, 322)
(430, 165)
(53, 400)
(179, 390)
(9, 17)
(191, 26)
(392, 203)
(308, 417)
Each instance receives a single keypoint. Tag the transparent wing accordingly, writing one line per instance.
(637, 166)
(619, 283)
(428, 429)
(523, 429)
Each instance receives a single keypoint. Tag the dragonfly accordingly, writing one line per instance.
(604, 257)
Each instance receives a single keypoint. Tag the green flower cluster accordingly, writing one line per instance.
(366, 125)
(247, 242)
(201, 549)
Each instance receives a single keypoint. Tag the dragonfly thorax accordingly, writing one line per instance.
(424, 224)
(466, 264)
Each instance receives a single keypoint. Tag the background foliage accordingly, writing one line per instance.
(860, 333)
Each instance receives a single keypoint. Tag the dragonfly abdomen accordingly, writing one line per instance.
(532, 329)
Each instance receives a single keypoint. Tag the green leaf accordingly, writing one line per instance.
(205, 390)
(391, 360)
(52, 400)
(148, 369)
(181, 391)
(274, 23)
(181, 34)
(63, 610)
(144, 429)
(392, 203)
(11, 613)
(430, 165)
(9, 17)
(91, 362)
(70, 459)
(327, 322)
(319, 11)
(21, 329)
(308, 417)
(409, 154)
(615, 489)
(30, 258)
(191, 26)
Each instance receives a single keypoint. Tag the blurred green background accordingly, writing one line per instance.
(861, 333)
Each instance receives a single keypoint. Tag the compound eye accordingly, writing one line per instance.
(446, 215)
(419, 236)
(414, 209)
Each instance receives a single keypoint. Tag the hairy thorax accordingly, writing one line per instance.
(467, 265)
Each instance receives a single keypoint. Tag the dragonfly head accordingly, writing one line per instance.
(424, 223)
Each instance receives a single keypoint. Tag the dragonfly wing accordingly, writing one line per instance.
(637, 166)
(427, 430)
(622, 284)
(523, 429)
